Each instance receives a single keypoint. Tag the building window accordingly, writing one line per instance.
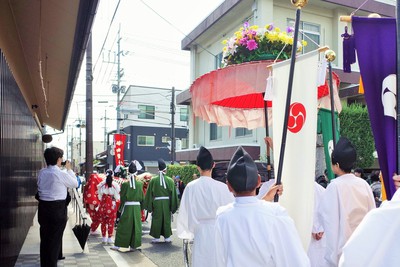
(243, 132)
(144, 140)
(309, 32)
(184, 114)
(215, 132)
(218, 61)
(165, 139)
(185, 143)
(146, 112)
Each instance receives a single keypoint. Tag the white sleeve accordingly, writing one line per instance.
(70, 180)
(220, 255)
(328, 212)
(286, 247)
(182, 224)
(100, 190)
(117, 189)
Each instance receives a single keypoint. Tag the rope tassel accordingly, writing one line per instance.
(349, 52)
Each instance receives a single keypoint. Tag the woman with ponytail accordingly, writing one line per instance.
(108, 192)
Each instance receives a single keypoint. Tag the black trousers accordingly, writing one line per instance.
(52, 217)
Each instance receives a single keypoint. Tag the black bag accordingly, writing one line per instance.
(68, 199)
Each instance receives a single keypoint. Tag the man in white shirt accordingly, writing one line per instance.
(254, 232)
(53, 184)
(345, 202)
(197, 210)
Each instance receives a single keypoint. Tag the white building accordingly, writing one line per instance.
(150, 123)
(320, 21)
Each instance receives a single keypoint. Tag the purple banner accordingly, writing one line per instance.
(375, 42)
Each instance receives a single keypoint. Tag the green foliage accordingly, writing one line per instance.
(355, 125)
(185, 172)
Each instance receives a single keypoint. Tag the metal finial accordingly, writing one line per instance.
(330, 55)
(299, 3)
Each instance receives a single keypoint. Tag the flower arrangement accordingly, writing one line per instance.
(252, 43)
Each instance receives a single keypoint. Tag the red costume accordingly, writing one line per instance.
(91, 200)
(145, 179)
(109, 196)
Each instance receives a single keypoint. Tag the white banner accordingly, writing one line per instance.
(298, 171)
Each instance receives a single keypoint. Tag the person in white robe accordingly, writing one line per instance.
(316, 249)
(375, 242)
(346, 201)
(200, 201)
(254, 232)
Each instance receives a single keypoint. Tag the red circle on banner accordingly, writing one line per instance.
(297, 117)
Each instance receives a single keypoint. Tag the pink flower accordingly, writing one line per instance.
(243, 41)
(252, 45)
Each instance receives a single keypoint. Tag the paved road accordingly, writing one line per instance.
(96, 254)
(163, 254)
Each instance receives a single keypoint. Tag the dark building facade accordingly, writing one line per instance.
(151, 152)
(21, 154)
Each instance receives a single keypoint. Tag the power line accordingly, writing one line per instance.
(176, 28)
(108, 31)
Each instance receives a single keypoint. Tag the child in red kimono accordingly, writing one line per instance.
(108, 192)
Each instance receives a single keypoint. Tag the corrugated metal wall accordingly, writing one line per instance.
(21, 156)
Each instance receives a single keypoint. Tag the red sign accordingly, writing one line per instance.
(119, 144)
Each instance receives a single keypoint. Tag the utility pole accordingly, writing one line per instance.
(89, 111)
(72, 146)
(118, 79)
(105, 129)
(67, 145)
(173, 141)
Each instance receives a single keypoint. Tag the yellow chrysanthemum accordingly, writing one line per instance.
(254, 27)
(304, 43)
(282, 36)
(225, 49)
(272, 36)
(224, 42)
(278, 29)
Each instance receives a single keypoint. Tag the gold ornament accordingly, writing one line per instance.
(330, 55)
(374, 15)
(299, 3)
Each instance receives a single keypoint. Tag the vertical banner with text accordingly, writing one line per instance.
(119, 144)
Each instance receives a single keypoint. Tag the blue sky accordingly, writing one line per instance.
(151, 33)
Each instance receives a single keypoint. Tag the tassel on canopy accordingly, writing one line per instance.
(349, 52)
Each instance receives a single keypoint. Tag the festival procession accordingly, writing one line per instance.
(283, 150)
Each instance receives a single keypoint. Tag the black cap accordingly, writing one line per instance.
(204, 159)
(132, 167)
(242, 171)
(143, 170)
(344, 154)
(161, 165)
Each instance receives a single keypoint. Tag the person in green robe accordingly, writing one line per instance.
(129, 231)
(162, 200)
